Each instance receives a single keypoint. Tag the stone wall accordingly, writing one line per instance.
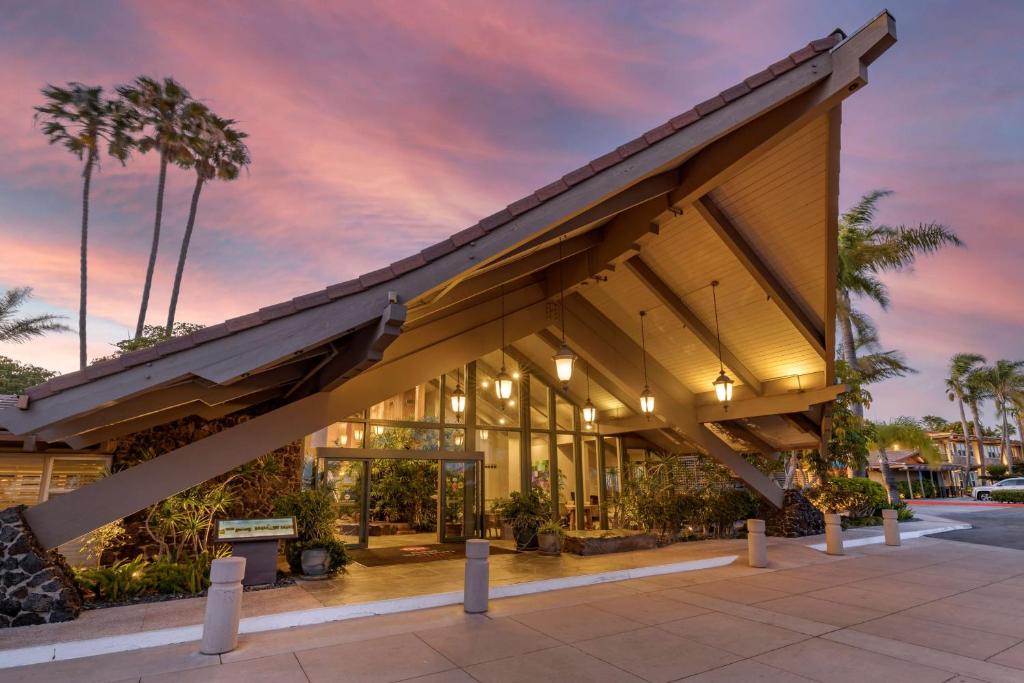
(796, 518)
(36, 586)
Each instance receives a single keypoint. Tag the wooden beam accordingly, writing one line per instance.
(803, 423)
(805, 321)
(778, 404)
(633, 423)
(740, 431)
(365, 349)
(68, 516)
(675, 305)
(835, 122)
(395, 454)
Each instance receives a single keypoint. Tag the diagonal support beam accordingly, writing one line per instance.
(365, 350)
(675, 305)
(777, 404)
(805, 321)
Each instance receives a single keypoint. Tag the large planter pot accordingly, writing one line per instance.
(526, 539)
(315, 562)
(549, 544)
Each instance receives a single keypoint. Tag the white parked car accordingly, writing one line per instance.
(985, 492)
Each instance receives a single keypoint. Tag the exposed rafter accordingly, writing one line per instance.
(675, 305)
(803, 423)
(805, 321)
(776, 404)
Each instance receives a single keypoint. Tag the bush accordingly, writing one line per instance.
(1008, 496)
(860, 496)
(525, 512)
(126, 579)
(720, 509)
(316, 513)
(996, 471)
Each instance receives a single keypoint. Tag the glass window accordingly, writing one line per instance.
(591, 473)
(70, 474)
(490, 410)
(454, 439)
(501, 462)
(402, 438)
(540, 462)
(20, 477)
(418, 404)
(564, 414)
(346, 435)
(566, 471)
(345, 478)
(539, 404)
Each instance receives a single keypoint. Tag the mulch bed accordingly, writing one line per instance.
(412, 554)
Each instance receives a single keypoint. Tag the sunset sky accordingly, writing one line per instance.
(377, 128)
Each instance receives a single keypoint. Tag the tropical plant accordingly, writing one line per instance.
(98, 541)
(936, 423)
(19, 330)
(158, 111)
(848, 442)
(525, 512)
(116, 583)
(80, 118)
(907, 434)
(181, 525)
(961, 366)
(858, 496)
(1004, 380)
(976, 392)
(316, 512)
(127, 579)
(16, 377)
(151, 335)
(218, 152)
(867, 250)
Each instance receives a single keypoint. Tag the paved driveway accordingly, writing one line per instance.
(993, 524)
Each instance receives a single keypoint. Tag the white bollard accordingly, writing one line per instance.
(833, 534)
(757, 544)
(477, 586)
(890, 520)
(223, 606)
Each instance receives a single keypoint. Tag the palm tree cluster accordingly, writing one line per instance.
(971, 383)
(146, 115)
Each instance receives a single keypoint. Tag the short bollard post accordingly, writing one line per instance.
(890, 521)
(477, 576)
(757, 544)
(223, 606)
(833, 534)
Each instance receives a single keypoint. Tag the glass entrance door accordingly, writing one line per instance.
(350, 481)
(459, 500)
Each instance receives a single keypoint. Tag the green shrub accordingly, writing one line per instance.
(860, 496)
(996, 471)
(120, 581)
(1008, 496)
(871, 520)
(525, 512)
(188, 576)
(316, 513)
(127, 579)
(720, 509)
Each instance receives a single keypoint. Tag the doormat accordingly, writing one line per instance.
(411, 554)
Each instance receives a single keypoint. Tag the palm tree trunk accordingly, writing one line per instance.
(153, 249)
(850, 354)
(1006, 438)
(1020, 431)
(890, 479)
(84, 260)
(967, 440)
(184, 253)
(977, 438)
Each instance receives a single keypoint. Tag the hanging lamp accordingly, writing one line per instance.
(502, 381)
(589, 411)
(646, 397)
(723, 385)
(564, 358)
(458, 397)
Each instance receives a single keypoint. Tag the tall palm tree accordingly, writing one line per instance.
(218, 153)
(80, 118)
(867, 250)
(960, 368)
(1004, 380)
(906, 432)
(976, 393)
(159, 111)
(19, 330)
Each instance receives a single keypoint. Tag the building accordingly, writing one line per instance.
(704, 248)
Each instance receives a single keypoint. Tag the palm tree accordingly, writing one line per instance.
(80, 118)
(905, 432)
(960, 368)
(976, 393)
(865, 251)
(1004, 380)
(159, 111)
(19, 330)
(218, 153)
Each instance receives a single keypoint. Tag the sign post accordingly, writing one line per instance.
(256, 541)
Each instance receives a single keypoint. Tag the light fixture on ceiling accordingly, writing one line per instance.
(502, 381)
(564, 358)
(358, 435)
(483, 434)
(723, 385)
(589, 411)
(343, 440)
(378, 429)
(646, 397)
(458, 396)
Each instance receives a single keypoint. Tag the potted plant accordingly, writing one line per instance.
(525, 512)
(549, 538)
(316, 553)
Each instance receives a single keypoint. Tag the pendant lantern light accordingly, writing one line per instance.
(565, 358)
(358, 436)
(723, 385)
(646, 397)
(458, 397)
(589, 411)
(502, 381)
